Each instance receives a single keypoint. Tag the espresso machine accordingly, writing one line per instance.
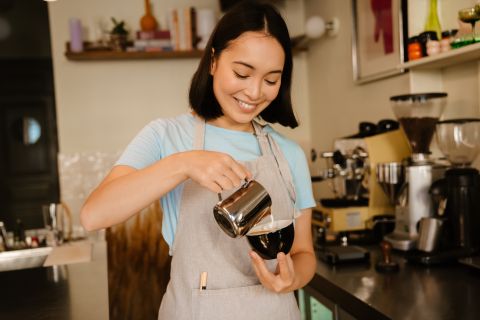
(408, 181)
(456, 197)
(358, 204)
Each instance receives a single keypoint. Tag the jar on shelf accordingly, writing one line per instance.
(414, 48)
(447, 38)
(430, 43)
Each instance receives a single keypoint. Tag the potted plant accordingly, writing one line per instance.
(118, 35)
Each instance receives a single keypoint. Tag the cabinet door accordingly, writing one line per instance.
(314, 306)
(344, 315)
(28, 159)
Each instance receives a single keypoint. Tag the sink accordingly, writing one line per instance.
(23, 259)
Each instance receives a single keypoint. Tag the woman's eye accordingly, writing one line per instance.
(240, 76)
(271, 83)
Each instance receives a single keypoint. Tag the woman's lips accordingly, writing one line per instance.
(245, 107)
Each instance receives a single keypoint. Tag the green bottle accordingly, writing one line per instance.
(433, 23)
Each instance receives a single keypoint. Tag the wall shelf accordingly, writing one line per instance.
(120, 55)
(446, 59)
(92, 55)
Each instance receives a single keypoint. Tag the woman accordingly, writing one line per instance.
(244, 74)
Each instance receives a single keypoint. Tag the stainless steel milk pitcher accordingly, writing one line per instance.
(238, 213)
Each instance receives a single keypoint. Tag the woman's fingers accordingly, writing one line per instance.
(275, 282)
(215, 170)
(263, 274)
(285, 266)
(224, 182)
(241, 172)
(234, 180)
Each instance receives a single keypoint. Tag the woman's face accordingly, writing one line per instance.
(246, 78)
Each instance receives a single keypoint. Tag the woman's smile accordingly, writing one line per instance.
(246, 107)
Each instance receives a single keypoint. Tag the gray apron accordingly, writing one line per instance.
(233, 289)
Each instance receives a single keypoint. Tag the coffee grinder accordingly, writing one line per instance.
(458, 194)
(418, 114)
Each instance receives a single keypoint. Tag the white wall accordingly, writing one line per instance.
(101, 105)
(337, 104)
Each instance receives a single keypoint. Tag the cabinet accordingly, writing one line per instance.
(28, 141)
(315, 306)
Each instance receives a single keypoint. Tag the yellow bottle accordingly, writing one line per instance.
(433, 23)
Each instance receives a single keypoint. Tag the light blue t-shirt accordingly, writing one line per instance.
(163, 137)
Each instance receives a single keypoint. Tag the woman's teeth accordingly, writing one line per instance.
(246, 106)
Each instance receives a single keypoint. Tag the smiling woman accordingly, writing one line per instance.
(190, 161)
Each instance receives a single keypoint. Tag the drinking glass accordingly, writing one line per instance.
(470, 15)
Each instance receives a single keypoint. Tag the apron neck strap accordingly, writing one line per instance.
(199, 137)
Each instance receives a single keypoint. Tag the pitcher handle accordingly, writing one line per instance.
(245, 183)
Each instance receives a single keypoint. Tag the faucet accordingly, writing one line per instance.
(3, 235)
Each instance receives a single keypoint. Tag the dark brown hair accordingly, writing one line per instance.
(243, 17)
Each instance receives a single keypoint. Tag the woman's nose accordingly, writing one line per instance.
(254, 90)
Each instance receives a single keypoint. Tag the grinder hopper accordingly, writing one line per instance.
(418, 114)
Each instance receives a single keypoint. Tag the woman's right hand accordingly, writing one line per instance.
(216, 171)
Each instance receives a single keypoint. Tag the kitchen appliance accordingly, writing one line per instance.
(339, 254)
(359, 203)
(417, 113)
(458, 194)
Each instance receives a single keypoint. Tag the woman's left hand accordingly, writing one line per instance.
(284, 277)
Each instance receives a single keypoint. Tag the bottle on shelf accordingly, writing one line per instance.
(433, 22)
(148, 21)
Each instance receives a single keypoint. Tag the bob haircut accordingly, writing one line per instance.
(243, 17)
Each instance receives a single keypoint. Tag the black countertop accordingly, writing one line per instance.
(80, 291)
(415, 292)
(73, 291)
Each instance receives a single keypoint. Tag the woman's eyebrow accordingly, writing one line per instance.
(253, 68)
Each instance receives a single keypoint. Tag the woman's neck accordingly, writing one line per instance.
(225, 124)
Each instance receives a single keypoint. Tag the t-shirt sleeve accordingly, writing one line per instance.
(143, 150)
(301, 178)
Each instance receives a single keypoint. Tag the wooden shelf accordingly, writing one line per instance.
(446, 59)
(120, 55)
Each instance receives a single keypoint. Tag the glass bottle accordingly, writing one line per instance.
(433, 23)
(148, 21)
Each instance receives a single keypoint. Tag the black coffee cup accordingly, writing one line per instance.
(271, 238)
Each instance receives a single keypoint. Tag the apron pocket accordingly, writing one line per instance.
(251, 302)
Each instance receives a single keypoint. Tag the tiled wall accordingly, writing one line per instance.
(79, 174)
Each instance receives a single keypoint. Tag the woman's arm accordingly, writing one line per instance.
(295, 269)
(125, 190)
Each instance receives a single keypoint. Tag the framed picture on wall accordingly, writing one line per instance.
(379, 38)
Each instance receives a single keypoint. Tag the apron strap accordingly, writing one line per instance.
(268, 145)
(261, 137)
(199, 136)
